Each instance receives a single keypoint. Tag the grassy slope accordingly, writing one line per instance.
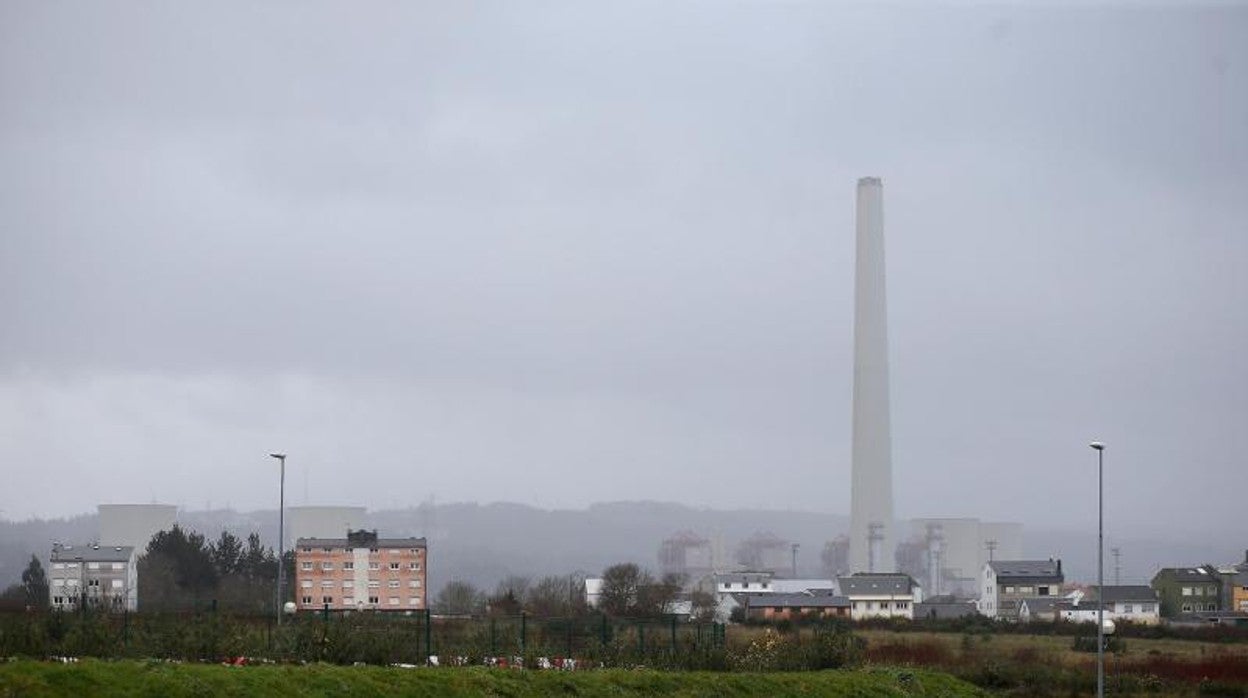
(29, 678)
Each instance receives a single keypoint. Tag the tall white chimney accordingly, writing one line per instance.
(872, 487)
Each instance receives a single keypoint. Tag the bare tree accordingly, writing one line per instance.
(459, 598)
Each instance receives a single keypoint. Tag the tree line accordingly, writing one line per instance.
(628, 591)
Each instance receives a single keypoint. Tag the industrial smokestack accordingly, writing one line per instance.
(872, 485)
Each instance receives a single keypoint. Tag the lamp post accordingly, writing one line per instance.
(1100, 567)
(281, 537)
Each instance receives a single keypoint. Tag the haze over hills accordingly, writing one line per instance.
(483, 543)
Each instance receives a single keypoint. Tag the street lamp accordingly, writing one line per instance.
(281, 537)
(1100, 567)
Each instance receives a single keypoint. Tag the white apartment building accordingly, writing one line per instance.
(100, 576)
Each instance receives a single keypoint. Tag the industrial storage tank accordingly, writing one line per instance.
(134, 524)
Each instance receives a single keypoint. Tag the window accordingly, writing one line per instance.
(1042, 591)
(306, 584)
(58, 600)
(327, 584)
(1128, 608)
(348, 584)
(1187, 608)
(71, 582)
(118, 566)
(393, 584)
(373, 566)
(348, 565)
(1009, 590)
(373, 584)
(327, 599)
(394, 566)
(1187, 591)
(372, 550)
(93, 582)
(394, 601)
(58, 565)
(58, 582)
(1147, 608)
(348, 601)
(1024, 590)
(116, 584)
(413, 584)
(327, 550)
(414, 566)
(413, 601)
(412, 551)
(306, 600)
(93, 565)
(327, 566)
(71, 565)
(306, 567)
(373, 599)
(307, 550)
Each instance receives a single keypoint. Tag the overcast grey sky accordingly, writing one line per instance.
(559, 253)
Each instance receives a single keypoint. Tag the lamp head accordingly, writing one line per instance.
(1097, 445)
(279, 456)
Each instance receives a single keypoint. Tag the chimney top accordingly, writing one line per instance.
(869, 181)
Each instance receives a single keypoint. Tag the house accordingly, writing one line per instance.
(1187, 590)
(944, 606)
(1239, 592)
(361, 572)
(794, 606)
(100, 576)
(875, 595)
(1127, 603)
(1005, 583)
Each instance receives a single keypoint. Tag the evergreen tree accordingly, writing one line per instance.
(35, 584)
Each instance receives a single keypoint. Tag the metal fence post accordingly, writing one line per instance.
(493, 637)
(524, 631)
(604, 630)
(673, 633)
(641, 639)
(428, 634)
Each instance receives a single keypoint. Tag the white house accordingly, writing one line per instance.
(1133, 604)
(593, 591)
(881, 595)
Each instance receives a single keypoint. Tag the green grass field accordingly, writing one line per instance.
(131, 678)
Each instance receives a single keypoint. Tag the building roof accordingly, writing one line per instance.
(1027, 570)
(793, 586)
(866, 584)
(1125, 593)
(745, 576)
(797, 600)
(1186, 574)
(91, 553)
(342, 543)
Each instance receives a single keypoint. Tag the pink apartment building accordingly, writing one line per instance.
(361, 572)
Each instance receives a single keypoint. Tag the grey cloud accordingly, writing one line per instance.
(547, 244)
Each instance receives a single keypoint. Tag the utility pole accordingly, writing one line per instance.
(795, 547)
(281, 537)
(1117, 552)
(992, 548)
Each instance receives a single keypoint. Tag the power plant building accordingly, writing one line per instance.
(133, 525)
(321, 522)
